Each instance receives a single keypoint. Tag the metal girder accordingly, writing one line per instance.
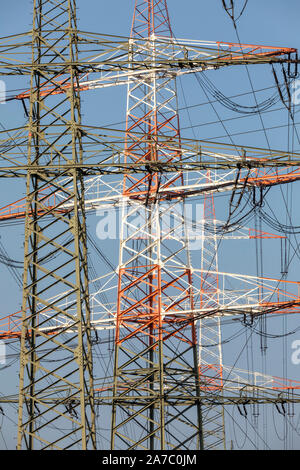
(104, 154)
(236, 388)
(11, 325)
(207, 400)
(101, 53)
(48, 255)
(55, 255)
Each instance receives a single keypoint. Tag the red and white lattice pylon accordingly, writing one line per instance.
(210, 339)
(153, 344)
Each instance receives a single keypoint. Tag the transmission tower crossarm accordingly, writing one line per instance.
(191, 156)
(108, 54)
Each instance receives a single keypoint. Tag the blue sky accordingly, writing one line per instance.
(268, 22)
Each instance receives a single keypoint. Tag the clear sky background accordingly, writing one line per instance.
(268, 22)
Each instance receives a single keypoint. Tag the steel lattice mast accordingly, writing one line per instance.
(155, 289)
(210, 339)
(156, 354)
(55, 252)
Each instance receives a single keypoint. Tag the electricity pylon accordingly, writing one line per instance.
(158, 367)
(210, 338)
(55, 251)
(157, 382)
(156, 354)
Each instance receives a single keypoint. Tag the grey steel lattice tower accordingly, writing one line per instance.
(55, 263)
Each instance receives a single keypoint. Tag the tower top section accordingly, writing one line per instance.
(151, 18)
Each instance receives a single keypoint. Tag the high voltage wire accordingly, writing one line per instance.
(209, 103)
(231, 223)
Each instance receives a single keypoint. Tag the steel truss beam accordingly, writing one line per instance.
(104, 154)
(60, 58)
(115, 55)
